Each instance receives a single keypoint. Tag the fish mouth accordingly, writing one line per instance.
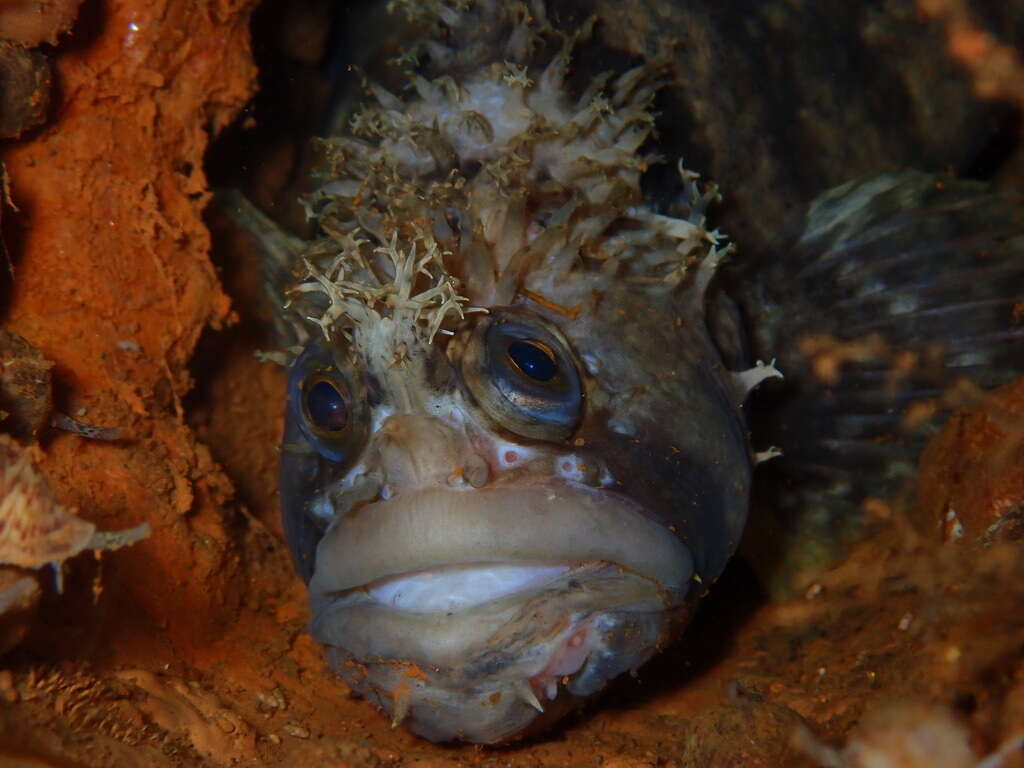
(476, 613)
(441, 527)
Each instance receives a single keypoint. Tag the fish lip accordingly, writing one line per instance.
(490, 671)
(485, 671)
(496, 641)
(555, 523)
(545, 574)
(571, 574)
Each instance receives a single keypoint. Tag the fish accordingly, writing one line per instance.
(517, 448)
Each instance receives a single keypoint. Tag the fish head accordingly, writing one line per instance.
(496, 523)
(513, 457)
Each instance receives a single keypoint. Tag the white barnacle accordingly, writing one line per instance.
(35, 528)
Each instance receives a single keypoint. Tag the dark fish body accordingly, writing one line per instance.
(914, 281)
(516, 452)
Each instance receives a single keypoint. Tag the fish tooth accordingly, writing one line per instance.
(525, 692)
(401, 704)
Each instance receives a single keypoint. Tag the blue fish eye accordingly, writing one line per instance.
(326, 407)
(533, 359)
(520, 371)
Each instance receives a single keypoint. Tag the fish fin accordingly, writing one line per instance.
(279, 252)
(887, 292)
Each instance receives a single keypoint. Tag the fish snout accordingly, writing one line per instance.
(414, 451)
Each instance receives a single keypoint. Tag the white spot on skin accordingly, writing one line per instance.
(621, 428)
(321, 508)
(591, 363)
(379, 415)
(570, 467)
(510, 455)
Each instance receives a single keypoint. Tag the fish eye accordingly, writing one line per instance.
(327, 404)
(533, 359)
(520, 370)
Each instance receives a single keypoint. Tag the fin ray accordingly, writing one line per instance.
(930, 270)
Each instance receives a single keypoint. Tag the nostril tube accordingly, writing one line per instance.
(412, 451)
(476, 471)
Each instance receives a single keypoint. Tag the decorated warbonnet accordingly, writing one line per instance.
(515, 454)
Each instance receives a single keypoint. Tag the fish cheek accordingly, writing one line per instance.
(704, 506)
(661, 419)
(304, 474)
(298, 481)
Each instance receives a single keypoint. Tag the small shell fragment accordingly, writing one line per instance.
(35, 529)
(26, 390)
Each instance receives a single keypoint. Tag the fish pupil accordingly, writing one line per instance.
(326, 407)
(533, 359)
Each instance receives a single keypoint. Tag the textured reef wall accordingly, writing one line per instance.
(112, 281)
(189, 648)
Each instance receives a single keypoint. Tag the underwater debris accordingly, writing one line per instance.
(26, 395)
(30, 22)
(26, 388)
(906, 735)
(977, 464)
(35, 529)
(19, 597)
(25, 96)
(88, 431)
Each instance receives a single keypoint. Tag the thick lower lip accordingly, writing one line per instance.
(597, 614)
(545, 526)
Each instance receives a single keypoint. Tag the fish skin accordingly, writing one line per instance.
(478, 205)
(695, 477)
(685, 457)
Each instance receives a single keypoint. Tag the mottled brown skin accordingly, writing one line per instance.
(688, 462)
